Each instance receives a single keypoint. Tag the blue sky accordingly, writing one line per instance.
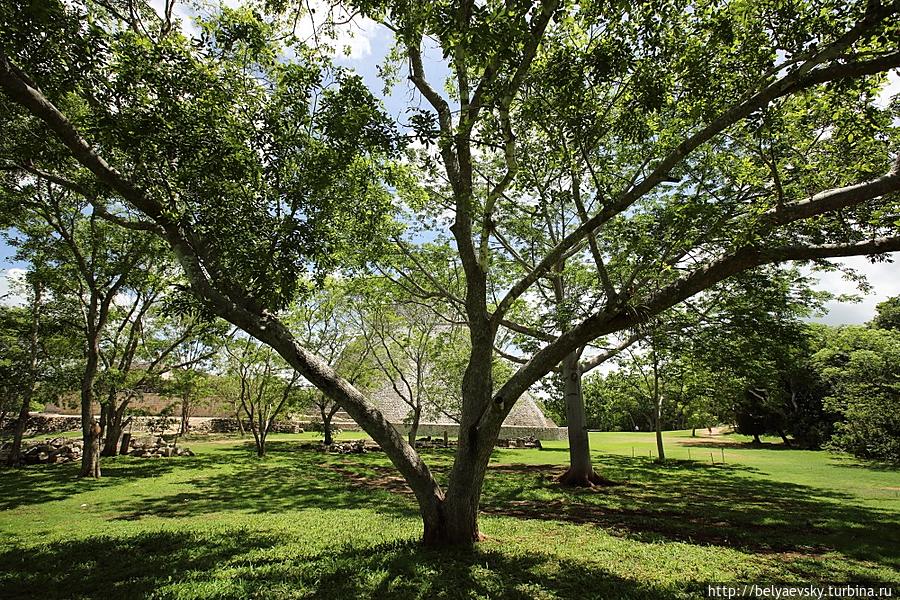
(369, 43)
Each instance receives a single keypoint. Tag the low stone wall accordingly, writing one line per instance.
(223, 425)
(39, 424)
(541, 433)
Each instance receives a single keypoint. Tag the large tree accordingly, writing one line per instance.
(256, 172)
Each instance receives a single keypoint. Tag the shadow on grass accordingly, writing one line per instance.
(688, 501)
(851, 462)
(36, 484)
(286, 479)
(700, 503)
(242, 564)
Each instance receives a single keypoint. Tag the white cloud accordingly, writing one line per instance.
(352, 39)
(884, 277)
(12, 283)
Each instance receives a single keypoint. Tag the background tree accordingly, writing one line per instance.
(325, 321)
(887, 314)
(21, 345)
(164, 334)
(91, 261)
(404, 338)
(266, 386)
(861, 367)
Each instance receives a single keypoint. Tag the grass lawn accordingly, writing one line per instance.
(301, 524)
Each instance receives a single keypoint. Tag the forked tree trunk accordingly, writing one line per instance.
(454, 521)
(114, 425)
(326, 415)
(581, 469)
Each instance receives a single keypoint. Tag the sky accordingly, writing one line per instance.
(369, 43)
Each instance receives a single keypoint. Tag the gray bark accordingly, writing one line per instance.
(581, 469)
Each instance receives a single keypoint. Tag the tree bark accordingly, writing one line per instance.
(90, 429)
(581, 470)
(455, 523)
(657, 417)
(15, 452)
(414, 426)
(114, 426)
(185, 414)
(94, 451)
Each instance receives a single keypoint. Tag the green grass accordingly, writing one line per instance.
(300, 524)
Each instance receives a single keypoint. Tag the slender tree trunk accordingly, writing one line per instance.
(414, 426)
(104, 416)
(658, 397)
(95, 450)
(659, 438)
(326, 424)
(240, 422)
(27, 393)
(581, 470)
(185, 413)
(15, 452)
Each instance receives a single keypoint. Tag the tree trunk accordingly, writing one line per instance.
(90, 429)
(261, 444)
(581, 469)
(657, 415)
(16, 450)
(326, 425)
(185, 414)
(454, 522)
(94, 464)
(114, 428)
(694, 432)
(240, 422)
(756, 440)
(414, 426)
(661, 450)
